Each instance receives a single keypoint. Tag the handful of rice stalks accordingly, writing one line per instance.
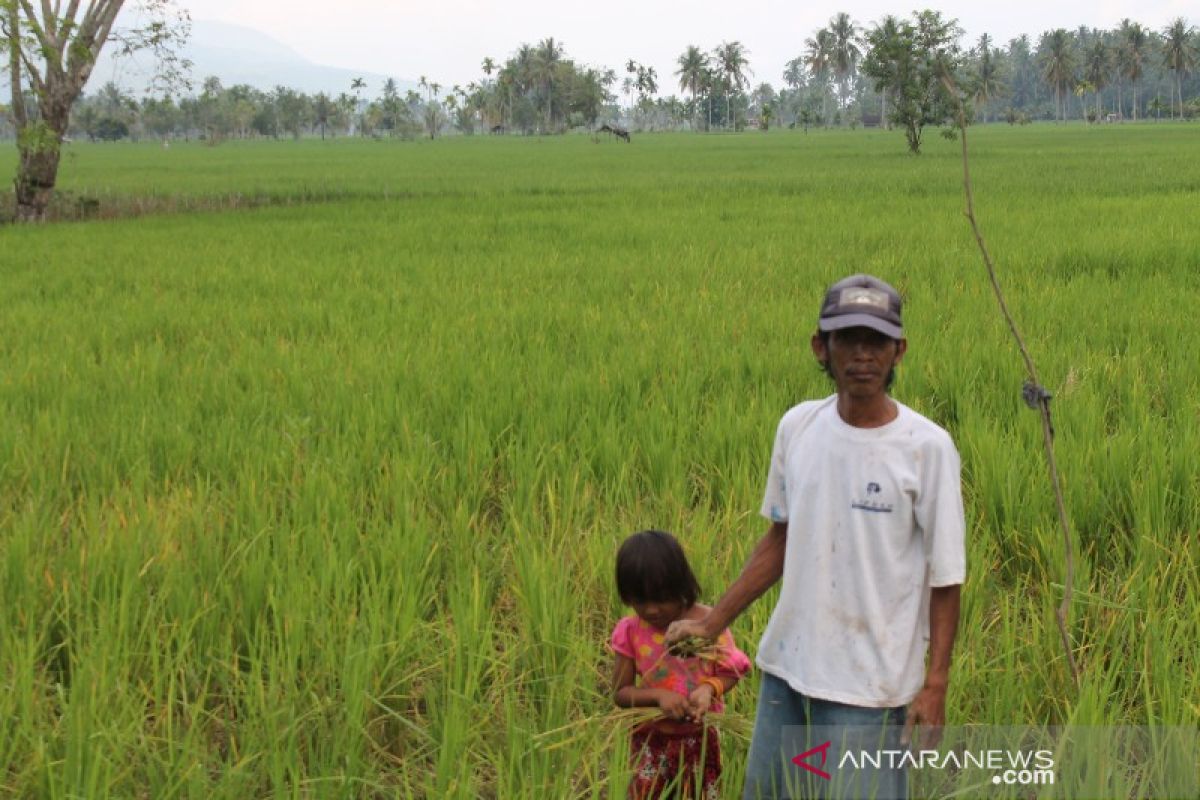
(697, 647)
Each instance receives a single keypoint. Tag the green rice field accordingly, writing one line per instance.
(320, 498)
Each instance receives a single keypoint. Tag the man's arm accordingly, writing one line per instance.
(928, 708)
(764, 567)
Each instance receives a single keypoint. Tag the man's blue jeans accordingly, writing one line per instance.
(788, 724)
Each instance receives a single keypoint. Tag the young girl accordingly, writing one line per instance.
(653, 577)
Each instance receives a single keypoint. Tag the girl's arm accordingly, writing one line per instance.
(733, 664)
(626, 695)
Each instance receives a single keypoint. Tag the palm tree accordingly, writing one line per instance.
(692, 65)
(1058, 66)
(356, 85)
(524, 66)
(631, 82)
(488, 66)
(1096, 66)
(845, 53)
(1135, 43)
(988, 85)
(1024, 83)
(506, 88)
(390, 106)
(793, 74)
(733, 63)
(647, 81)
(818, 55)
(1179, 56)
(322, 110)
(709, 83)
(886, 30)
(549, 54)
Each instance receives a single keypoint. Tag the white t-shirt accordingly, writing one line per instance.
(875, 518)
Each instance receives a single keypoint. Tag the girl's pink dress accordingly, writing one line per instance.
(664, 750)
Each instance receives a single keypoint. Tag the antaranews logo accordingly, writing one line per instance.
(802, 759)
(1085, 762)
(1009, 767)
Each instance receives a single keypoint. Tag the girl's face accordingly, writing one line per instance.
(659, 613)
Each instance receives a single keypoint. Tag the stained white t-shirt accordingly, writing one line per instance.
(875, 518)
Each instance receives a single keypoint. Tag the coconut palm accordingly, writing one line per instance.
(647, 81)
(886, 30)
(1179, 56)
(548, 57)
(488, 66)
(1058, 66)
(692, 65)
(988, 85)
(793, 73)
(506, 88)
(356, 85)
(322, 107)
(733, 64)
(1134, 45)
(818, 55)
(844, 53)
(1097, 66)
(709, 83)
(1023, 83)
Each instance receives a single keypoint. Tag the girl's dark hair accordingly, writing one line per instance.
(651, 567)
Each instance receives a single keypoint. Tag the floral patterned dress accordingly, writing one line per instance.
(668, 754)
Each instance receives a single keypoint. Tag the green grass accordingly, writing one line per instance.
(321, 500)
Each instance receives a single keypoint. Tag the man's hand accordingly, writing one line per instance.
(761, 572)
(673, 704)
(699, 701)
(683, 628)
(928, 710)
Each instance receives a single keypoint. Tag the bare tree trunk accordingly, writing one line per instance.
(913, 134)
(35, 181)
(67, 47)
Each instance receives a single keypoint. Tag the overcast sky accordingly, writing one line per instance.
(447, 39)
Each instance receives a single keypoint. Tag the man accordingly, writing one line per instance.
(867, 533)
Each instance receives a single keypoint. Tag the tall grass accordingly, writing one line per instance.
(321, 500)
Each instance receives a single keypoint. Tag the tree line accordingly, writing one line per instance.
(894, 72)
(538, 90)
(1128, 72)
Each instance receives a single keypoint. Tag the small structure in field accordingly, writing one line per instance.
(620, 133)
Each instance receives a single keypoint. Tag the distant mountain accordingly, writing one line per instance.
(236, 54)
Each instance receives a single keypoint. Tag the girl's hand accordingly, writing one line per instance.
(673, 705)
(700, 701)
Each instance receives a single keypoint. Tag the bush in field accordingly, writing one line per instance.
(907, 61)
(110, 129)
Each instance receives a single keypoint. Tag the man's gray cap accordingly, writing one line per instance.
(862, 301)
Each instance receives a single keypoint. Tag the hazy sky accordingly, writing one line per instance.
(447, 39)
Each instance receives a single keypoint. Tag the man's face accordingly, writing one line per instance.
(859, 359)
